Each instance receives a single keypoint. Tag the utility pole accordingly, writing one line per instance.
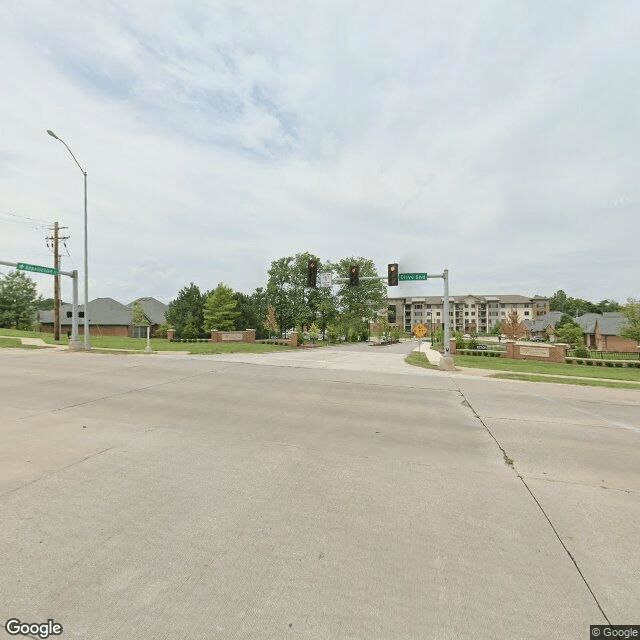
(56, 280)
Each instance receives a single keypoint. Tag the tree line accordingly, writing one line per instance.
(285, 303)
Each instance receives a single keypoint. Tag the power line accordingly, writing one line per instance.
(17, 215)
(24, 221)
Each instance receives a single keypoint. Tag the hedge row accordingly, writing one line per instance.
(473, 352)
(189, 340)
(603, 363)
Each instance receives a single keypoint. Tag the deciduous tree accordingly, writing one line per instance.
(631, 312)
(18, 301)
(187, 308)
(220, 309)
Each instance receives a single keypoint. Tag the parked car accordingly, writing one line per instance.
(537, 339)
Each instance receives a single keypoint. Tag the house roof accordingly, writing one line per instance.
(102, 311)
(610, 323)
(153, 309)
(543, 321)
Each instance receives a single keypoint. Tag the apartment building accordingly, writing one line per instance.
(469, 313)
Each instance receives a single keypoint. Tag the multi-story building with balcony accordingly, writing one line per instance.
(469, 313)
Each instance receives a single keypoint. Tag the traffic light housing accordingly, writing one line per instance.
(354, 276)
(392, 274)
(312, 273)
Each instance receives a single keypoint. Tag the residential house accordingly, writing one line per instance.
(544, 325)
(602, 332)
(107, 317)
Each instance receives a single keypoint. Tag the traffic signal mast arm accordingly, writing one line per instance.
(360, 278)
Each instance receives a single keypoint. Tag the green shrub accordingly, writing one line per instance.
(582, 352)
(599, 363)
(609, 363)
(578, 361)
(618, 364)
(589, 362)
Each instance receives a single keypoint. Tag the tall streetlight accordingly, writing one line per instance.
(87, 345)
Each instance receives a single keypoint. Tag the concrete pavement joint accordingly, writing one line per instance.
(115, 395)
(52, 473)
(544, 513)
(582, 484)
(564, 546)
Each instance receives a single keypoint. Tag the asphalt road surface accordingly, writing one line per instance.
(329, 493)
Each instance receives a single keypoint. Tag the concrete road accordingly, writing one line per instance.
(329, 493)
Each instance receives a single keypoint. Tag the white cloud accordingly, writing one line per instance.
(496, 139)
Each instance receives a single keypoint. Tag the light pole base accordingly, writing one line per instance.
(446, 364)
(148, 350)
(75, 345)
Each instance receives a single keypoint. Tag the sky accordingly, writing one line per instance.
(497, 139)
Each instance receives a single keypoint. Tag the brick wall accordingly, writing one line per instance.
(544, 353)
(624, 345)
(115, 330)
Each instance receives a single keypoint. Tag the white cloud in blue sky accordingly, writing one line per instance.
(497, 139)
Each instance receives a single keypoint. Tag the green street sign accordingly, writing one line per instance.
(412, 276)
(23, 266)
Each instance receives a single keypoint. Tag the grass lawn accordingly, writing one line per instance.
(14, 343)
(46, 337)
(533, 366)
(566, 380)
(419, 360)
(160, 344)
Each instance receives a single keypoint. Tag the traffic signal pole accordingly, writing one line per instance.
(446, 362)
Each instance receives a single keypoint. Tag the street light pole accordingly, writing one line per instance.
(87, 345)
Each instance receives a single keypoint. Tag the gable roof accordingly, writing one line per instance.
(153, 309)
(543, 321)
(610, 323)
(103, 311)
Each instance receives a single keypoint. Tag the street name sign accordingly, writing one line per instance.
(325, 279)
(412, 276)
(23, 266)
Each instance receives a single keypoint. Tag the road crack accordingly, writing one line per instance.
(509, 461)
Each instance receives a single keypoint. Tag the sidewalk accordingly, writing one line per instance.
(433, 356)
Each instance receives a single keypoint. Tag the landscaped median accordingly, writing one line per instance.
(159, 344)
(122, 345)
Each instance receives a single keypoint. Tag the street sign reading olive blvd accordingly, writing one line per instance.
(412, 276)
(23, 266)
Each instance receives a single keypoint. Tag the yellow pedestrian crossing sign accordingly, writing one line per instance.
(420, 330)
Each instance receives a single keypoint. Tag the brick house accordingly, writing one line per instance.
(107, 317)
(602, 332)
